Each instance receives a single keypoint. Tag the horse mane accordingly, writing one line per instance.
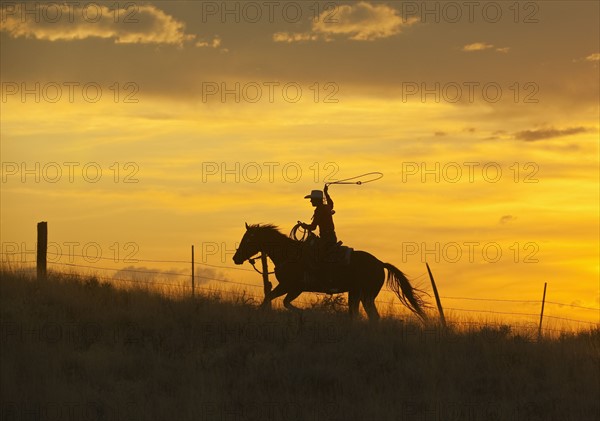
(272, 228)
(266, 226)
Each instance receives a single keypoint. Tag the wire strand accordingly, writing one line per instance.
(392, 303)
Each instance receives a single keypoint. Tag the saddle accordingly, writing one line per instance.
(316, 253)
(340, 254)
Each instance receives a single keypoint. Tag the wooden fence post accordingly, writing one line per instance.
(542, 312)
(265, 275)
(193, 285)
(42, 249)
(437, 297)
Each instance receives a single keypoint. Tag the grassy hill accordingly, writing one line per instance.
(82, 350)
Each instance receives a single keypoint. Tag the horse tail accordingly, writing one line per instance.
(408, 295)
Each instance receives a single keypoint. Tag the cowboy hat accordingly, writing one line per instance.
(315, 195)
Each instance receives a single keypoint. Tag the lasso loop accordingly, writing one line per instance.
(371, 176)
(294, 232)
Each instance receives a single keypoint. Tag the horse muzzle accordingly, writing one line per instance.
(237, 260)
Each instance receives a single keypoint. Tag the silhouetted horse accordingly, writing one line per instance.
(362, 278)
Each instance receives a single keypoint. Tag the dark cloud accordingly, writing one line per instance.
(506, 219)
(540, 134)
(143, 274)
(161, 54)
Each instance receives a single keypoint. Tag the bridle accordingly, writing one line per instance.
(252, 261)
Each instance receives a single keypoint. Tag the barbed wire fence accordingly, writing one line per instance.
(182, 288)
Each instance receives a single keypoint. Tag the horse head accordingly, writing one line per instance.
(249, 246)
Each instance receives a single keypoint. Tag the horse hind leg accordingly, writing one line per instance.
(353, 303)
(369, 306)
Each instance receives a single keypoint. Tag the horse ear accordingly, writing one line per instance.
(247, 227)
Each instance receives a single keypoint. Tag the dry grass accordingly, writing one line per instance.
(75, 349)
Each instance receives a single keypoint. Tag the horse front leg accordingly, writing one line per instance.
(287, 301)
(278, 291)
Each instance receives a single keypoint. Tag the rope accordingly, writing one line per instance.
(252, 260)
(374, 176)
(294, 232)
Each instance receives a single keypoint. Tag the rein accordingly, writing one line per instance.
(252, 261)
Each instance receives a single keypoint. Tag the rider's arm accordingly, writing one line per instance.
(329, 199)
(315, 222)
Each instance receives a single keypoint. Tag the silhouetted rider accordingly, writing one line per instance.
(323, 216)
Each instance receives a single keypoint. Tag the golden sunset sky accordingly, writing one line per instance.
(483, 118)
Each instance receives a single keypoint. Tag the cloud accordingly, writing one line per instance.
(477, 46)
(481, 46)
(144, 24)
(362, 22)
(294, 37)
(214, 43)
(176, 276)
(540, 134)
(593, 58)
(359, 22)
(145, 274)
(506, 219)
